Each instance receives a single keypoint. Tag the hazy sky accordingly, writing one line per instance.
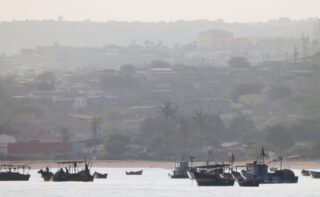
(158, 10)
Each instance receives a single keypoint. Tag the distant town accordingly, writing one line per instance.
(220, 93)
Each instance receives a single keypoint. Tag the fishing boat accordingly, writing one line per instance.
(98, 175)
(134, 172)
(305, 172)
(10, 172)
(315, 174)
(212, 175)
(72, 172)
(180, 170)
(46, 174)
(259, 170)
(244, 182)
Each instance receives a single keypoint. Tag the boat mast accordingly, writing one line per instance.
(261, 156)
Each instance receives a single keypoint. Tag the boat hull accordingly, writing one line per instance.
(271, 178)
(245, 182)
(315, 174)
(180, 176)
(134, 173)
(72, 177)
(204, 179)
(100, 176)
(14, 177)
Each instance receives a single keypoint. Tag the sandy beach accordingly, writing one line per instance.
(39, 164)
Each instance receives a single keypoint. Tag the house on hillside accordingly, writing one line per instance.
(37, 149)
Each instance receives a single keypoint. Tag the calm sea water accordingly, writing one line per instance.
(153, 182)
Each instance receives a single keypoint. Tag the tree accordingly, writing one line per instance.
(239, 62)
(116, 144)
(127, 70)
(245, 88)
(279, 92)
(65, 135)
(239, 127)
(168, 110)
(279, 136)
(46, 81)
(208, 127)
(95, 126)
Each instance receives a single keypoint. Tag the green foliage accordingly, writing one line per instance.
(240, 127)
(279, 136)
(316, 149)
(168, 110)
(279, 92)
(95, 125)
(116, 144)
(7, 127)
(299, 149)
(127, 70)
(245, 88)
(306, 129)
(116, 80)
(239, 62)
(2, 89)
(255, 150)
(65, 135)
(46, 81)
(159, 64)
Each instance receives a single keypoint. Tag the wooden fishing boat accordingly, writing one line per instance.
(134, 172)
(98, 175)
(72, 173)
(315, 174)
(213, 175)
(10, 172)
(305, 172)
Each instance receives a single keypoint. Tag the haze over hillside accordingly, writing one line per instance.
(30, 34)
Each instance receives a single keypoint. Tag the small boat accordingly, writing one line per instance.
(315, 174)
(305, 172)
(98, 175)
(134, 172)
(12, 172)
(244, 182)
(46, 174)
(180, 170)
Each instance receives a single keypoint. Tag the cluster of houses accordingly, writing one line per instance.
(80, 92)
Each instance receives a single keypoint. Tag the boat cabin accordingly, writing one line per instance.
(256, 169)
(181, 166)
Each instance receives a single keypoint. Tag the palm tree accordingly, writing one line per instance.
(168, 110)
(95, 126)
(201, 123)
(65, 134)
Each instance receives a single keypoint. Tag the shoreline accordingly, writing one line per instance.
(40, 164)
